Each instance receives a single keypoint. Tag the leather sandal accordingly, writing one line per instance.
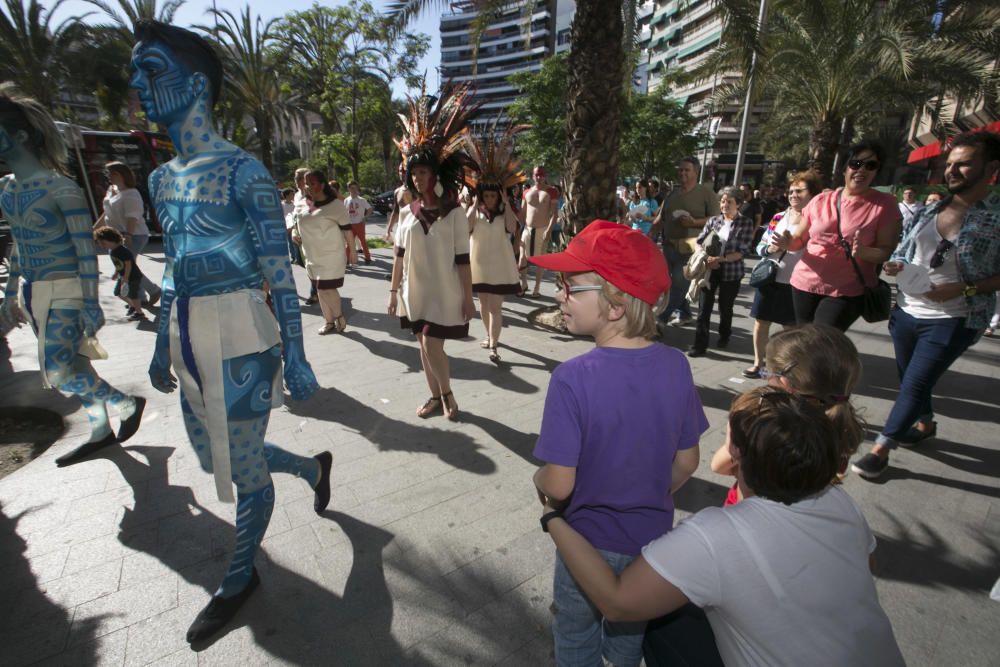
(485, 344)
(494, 355)
(430, 406)
(450, 412)
(340, 323)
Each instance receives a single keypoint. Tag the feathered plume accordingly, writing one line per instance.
(494, 153)
(437, 126)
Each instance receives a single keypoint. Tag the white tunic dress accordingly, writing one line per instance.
(323, 240)
(494, 269)
(430, 295)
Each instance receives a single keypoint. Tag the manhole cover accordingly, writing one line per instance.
(26, 432)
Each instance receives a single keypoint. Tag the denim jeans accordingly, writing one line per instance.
(924, 351)
(581, 634)
(137, 243)
(727, 291)
(678, 283)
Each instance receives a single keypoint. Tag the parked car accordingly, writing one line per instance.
(382, 203)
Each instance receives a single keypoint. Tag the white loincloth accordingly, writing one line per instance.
(64, 293)
(223, 326)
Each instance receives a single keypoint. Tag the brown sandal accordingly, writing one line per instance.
(494, 355)
(485, 344)
(450, 412)
(432, 405)
(340, 323)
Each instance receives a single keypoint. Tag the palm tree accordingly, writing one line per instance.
(249, 53)
(598, 80)
(834, 64)
(129, 12)
(33, 52)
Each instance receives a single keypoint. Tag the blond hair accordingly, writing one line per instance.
(639, 318)
(820, 362)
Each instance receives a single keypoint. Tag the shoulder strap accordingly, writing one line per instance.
(847, 246)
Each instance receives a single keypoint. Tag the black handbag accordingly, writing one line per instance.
(765, 272)
(876, 301)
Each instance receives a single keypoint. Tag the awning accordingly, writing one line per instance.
(935, 149)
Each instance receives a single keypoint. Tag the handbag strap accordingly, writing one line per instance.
(847, 246)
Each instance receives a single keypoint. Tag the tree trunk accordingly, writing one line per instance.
(824, 141)
(593, 122)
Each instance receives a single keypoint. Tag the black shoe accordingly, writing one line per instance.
(696, 352)
(870, 466)
(723, 343)
(322, 489)
(219, 612)
(85, 450)
(312, 301)
(129, 426)
(915, 435)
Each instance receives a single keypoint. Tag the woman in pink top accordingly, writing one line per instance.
(826, 287)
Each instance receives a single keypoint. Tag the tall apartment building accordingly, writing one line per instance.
(682, 35)
(511, 43)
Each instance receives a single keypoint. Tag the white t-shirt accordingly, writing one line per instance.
(119, 206)
(782, 585)
(916, 305)
(356, 209)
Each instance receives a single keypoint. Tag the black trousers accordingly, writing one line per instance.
(837, 311)
(727, 291)
(682, 638)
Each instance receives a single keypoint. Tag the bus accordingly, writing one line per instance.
(90, 150)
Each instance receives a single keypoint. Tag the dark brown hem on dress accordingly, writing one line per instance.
(435, 330)
(335, 283)
(496, 289)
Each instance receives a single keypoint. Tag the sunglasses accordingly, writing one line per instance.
(563, 286)
(937, 259)
(766, 374)
(870, 165)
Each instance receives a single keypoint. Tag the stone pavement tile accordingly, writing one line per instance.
(65, 592)
(41, 569)
(105, 501)
(105, 650)
(182, 658)
(123, 608)
(162, 635)
(31, 516)
(495, 630)
(290, 546)
(502, 570)
(27, 643)
(66, 535)
(101, 550)
(536, 652)
(389, 508)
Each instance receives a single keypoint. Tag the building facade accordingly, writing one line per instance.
(513, 42)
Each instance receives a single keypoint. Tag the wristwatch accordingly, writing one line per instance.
(970, 290)
(548, 516)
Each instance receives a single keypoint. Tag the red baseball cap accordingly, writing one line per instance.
(624, 257)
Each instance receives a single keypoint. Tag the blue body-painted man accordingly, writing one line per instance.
(53, 276)
(223, 236)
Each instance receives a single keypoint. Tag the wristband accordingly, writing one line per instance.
(554, 514)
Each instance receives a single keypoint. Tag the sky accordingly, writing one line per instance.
(193, 12)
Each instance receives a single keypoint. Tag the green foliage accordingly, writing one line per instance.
(656, 132)
(541, 103)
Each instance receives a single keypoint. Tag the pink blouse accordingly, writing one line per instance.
(824, 268)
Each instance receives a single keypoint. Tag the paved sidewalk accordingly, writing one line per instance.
(430, 553)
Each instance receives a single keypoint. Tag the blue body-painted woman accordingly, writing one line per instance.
(54, 267)
(224, 235)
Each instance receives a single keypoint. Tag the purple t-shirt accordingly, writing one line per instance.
(619, 416)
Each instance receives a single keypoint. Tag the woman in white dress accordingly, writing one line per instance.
(323, 243)
(431, 286)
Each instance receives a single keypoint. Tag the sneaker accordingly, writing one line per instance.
(870, 466)
(918, 433)
(695, 352)
(679, 320)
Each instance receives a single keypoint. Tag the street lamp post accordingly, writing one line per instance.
(745, 125)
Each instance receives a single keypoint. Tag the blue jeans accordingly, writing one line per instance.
(137, 243)
(580, 632)
(924, 351)
(678, 283)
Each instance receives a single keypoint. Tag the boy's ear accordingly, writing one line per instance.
(616, 311)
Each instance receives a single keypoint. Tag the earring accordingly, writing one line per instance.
(438, 190)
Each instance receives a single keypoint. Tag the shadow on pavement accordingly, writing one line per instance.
(896, 473)
(453, 447)
(697, 494)
(35, 627)
(917, 554)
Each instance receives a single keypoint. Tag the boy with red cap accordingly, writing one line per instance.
(620, 428)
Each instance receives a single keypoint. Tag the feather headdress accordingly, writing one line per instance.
(494, 153)
(434, 132)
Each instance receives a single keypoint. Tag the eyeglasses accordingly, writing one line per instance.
(766, 374)
(563, 286)
(870, 165)
(937, 259)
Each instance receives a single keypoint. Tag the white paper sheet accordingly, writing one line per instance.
(914, 279)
